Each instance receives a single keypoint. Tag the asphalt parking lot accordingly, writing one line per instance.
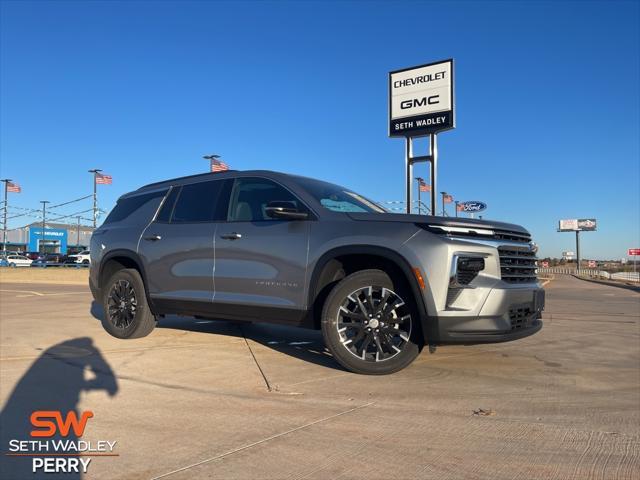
(202, 399)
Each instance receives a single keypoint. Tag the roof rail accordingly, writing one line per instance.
(186, 177)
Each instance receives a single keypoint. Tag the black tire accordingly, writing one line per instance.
(394, 330)
(85, 262)
(124, 302)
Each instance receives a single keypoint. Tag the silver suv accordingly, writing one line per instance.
(269, 247)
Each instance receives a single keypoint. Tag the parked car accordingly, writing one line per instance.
(33, 255)
(81, 257)
(271, 247)
(17, 261)
(49, 260)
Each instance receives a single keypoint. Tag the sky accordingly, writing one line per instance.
(547, 102)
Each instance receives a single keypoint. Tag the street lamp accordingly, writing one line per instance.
(211, 158)
(44, 216)
(95, 172)
(6, 207)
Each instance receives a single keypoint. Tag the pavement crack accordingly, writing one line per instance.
(264, 440)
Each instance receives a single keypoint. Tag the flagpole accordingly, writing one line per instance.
(419, 203)
(6, 206)
(457, 208)
(95, 172)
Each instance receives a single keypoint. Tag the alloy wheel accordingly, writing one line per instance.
(122, 304)
(374, 323)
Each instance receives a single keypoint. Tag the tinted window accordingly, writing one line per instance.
(127, 206)
(164, 215)
(251, 196)
(198, 202)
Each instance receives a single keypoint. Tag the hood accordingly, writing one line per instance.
(443, 221)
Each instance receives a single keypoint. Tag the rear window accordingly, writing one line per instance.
(127, 206)
(202, 202)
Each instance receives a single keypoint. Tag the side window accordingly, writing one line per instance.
(164, 215)
(251, 195)
(128, 206)
(201, 202)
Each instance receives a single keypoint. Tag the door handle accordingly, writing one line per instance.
(231, 236)
(153, 238)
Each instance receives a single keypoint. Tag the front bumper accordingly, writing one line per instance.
(507, 314)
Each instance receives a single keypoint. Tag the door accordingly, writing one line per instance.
(260, 261)
(177, 248)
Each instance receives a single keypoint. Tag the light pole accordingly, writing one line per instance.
(95, 172)
(6, 207)
(44, 216)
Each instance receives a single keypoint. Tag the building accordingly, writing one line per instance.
(57, 238)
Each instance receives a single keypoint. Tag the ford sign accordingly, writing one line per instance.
(473, 206)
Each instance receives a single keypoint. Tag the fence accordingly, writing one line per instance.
(593, 273)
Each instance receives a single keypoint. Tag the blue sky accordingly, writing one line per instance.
(547, 101)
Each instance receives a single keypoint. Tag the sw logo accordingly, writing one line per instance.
(43, 419)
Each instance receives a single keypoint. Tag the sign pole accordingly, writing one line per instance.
(408, 173)
(578, 248)
(433, 147)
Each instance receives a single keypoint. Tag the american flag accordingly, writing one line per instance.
(448, 198)
(13, 187)
(103, 179)
(423, 185)
(218, 165)
(460, 207)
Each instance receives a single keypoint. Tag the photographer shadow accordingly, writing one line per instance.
(54, 382)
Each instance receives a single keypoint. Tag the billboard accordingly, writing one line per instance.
(633, 252)
(577, 224)
(421, 99)
(587, 224)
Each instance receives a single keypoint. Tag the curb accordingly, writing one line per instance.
(633, 288)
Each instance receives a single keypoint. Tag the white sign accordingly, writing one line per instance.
(421, 99)
(569, 224)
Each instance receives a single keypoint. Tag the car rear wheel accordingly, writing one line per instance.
(126, 311)
(370, 324)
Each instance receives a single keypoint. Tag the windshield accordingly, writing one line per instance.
(339, 199)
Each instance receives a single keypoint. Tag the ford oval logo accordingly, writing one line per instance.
(473, 206)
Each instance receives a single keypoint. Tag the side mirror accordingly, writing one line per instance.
(285, 211)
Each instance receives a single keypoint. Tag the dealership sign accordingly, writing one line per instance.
(578, 224)
(472, 207)
(421, 99)
(634, 252)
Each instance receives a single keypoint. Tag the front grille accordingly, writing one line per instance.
(521, 316)
(512, 236)
(517, 265)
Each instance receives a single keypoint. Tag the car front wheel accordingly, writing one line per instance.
(370, 324)
(126, 311)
